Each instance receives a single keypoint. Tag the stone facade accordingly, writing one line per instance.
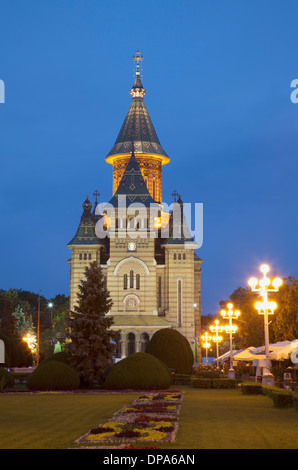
(154, 282)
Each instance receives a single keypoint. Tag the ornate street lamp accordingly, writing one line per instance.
(51, 305)
(197, 334)
(206, 338)
(231, 329)
(265, 308)
(216, 338)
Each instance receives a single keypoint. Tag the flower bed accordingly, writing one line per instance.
(150, 418)
(163, 397)
(113, 432)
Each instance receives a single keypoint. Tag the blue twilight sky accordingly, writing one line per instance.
(217, 75)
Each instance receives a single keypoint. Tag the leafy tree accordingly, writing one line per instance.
(283, 324)
(90, 346)
(22, 322)
(285, 319)
(250, 325)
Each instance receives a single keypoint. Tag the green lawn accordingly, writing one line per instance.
(227, 419)
(209, 419)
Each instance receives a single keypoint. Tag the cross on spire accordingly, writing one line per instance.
(137, 57)
(96, 194)
(174, 195)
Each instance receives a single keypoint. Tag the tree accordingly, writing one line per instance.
(90, 348)
(283, 323)
(285, 319)
(23, 323)
(250, 325)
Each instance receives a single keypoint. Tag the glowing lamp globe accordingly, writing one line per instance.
(277, 282)
(253, 282)
(264, 268)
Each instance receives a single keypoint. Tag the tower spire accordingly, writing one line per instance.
(137, 90)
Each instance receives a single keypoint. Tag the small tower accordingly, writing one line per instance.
(138, 128)
(85, 247)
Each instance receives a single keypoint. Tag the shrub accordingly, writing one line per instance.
(213, 383)
(267, 390)
(182, 379)
(202, 383)
(6, 379)
(139, 371)
(172, 348)
(208, 374)
(53, 375)
(282, 399)
(224, 383)
(251, 388)
(295, 401)
(58, 357)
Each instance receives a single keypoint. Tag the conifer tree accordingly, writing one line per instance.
(90, 348)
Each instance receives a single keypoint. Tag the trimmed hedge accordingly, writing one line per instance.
(251, 388)
(139, 371)
(182, 379)
(267, 390)
(172, 348)
(214, 383)
(282, 399)
(224, 383)
(6, 379)
(295, 401)
(207, 374)
(202, 383)
(53, 375)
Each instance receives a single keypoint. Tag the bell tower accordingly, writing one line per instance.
(138, 128)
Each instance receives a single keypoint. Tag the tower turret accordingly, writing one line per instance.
(138, 128)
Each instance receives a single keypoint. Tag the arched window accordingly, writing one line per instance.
(131, 344)
(85, 255)
(144, 341)
(125, 281)
(175, 256)
(138, 279)
(179, 256)
(131, 279)
(89, 255)
(179, 302)
(81, 256)
(184, 256)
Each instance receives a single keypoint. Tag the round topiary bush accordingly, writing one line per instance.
(172, 348)
(59, 357)
(140, 371)
(53, 375)
(6, 379)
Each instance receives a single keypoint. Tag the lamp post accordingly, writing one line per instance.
(50, 305)
(206, 338)
(38, 331)
(265, 308)
(216, 338)
(196, 339)
(230, 328)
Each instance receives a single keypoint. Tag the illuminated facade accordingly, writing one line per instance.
(154, 282)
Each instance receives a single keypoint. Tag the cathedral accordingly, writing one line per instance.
(146, 251)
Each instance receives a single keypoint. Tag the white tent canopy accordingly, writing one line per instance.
(277, 351)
